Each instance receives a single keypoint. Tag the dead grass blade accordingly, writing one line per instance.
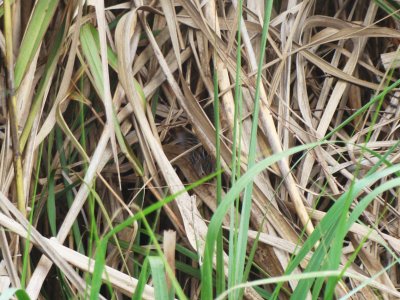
(194, 225)
(141, 75)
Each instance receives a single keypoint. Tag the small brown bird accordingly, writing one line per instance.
(197, 155)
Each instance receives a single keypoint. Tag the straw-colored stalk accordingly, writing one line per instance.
(12, 108)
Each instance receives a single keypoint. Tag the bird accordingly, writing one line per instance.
(196, 154)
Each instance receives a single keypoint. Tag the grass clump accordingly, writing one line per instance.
(199, 149)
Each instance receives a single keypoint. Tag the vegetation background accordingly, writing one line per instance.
(161, 149)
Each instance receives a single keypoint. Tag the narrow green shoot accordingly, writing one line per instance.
(247, 198)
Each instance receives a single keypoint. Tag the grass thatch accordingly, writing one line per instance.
(199, 149)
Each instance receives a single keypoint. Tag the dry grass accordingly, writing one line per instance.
(102, 137)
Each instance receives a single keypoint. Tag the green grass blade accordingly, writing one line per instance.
(358, 210)
(100, 262)
(41, 17)
(170, 274)
(111, 56)
(2, 8)
(356, 290)
(325, 231)
(9, 294)
(91, 46)
(247, 198)
(159, 280)
(64, 126)
(391, 7)
(363, 109)
(143, 278)
(236, 153)
(26, 260)
(92, 56)
(230, 197)
(102, 245)
(341, 232)
(68, 193)
(44, 84)
(362, 205)
(220, 265)
(51, 204)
